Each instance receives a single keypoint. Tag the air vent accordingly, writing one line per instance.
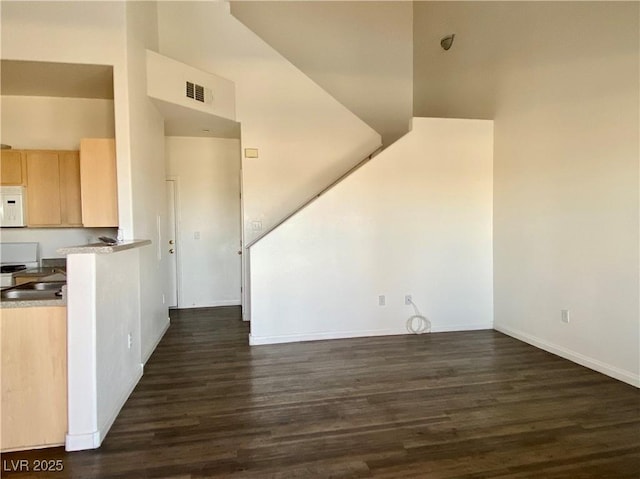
(198, 92)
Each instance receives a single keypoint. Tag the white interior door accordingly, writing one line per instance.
(172, 245)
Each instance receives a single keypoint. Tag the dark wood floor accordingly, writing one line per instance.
(448, 405)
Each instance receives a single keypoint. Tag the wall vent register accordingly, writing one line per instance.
(198, 93)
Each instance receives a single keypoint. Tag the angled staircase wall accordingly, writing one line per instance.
(416, 219)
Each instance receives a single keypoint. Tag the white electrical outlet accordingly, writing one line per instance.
(382, 300)
(129, 340)
(564, 315)
(407, 299)
(196, 235)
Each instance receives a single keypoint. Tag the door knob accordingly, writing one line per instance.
(239, 251)
(171, 242)
(172, 251)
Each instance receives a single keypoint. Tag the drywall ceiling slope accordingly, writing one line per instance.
(70, 80)
(359, 52)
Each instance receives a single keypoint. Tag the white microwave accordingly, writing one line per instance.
(12, 206)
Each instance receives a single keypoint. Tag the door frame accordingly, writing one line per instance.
(177, 221)
(244, 252)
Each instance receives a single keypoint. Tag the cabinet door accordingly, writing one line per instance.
(43, 190)
(34, 377)
(71, 209)
(11, 168)
(98, 182)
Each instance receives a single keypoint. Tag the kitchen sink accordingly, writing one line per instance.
(46, 285)
(29, 294)
(36, 290)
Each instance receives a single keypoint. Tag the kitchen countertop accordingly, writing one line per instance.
(37, 272)
(103, 248)
(31, 303)
(34, 303)
(54, 273)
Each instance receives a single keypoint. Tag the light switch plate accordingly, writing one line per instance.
(256, 225)
(251, 153)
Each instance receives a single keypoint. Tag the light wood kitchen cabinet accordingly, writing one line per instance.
(99, 182)
(12, 168)
(53, 188)
(34, 377)
(43, 190)
(70, 195)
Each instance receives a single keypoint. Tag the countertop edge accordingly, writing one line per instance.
(102, 248)
(32, 303)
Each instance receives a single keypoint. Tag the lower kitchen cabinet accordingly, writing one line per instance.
(34, 377)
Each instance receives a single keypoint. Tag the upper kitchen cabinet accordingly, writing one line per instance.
(70, 197)
(53, 188)
(99, 182)
(12, 168)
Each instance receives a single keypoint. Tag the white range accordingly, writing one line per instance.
(16, 257)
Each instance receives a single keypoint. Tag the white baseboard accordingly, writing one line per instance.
(148, 353)
(92, 440)
(461, 327)
(604, 368)
(82, 442)
(226, 302)
(320, 336)
(104, 429)
(213, 304)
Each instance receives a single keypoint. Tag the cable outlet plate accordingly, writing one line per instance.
(407, 299)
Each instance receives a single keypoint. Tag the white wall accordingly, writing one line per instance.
(37, 122)
(359, 52)
(207, 173)
(562, 82)
(117, 315)
(148, 173)
(103, 306)
(417, 219)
